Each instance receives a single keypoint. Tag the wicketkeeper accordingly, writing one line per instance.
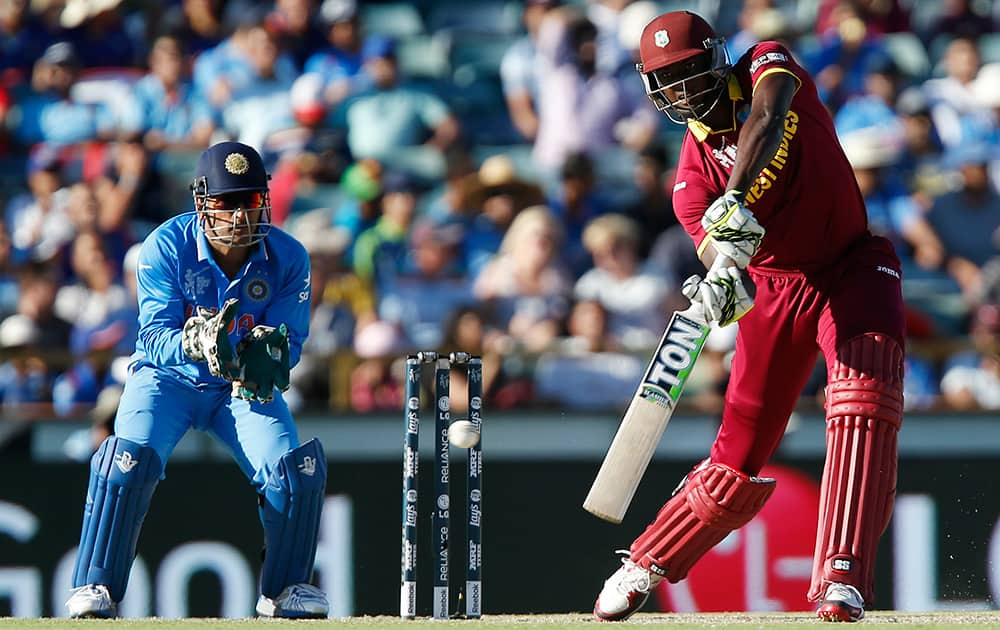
(763, 186)
(223, 311)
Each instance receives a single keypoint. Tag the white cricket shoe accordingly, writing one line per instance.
(841, 602)
(625, 591)
(298, 601)
(92, 600)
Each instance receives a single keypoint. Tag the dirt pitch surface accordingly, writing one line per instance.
(742, 621)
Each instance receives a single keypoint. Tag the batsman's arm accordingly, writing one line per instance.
(291, 305)
(761, 134)
(161, 304)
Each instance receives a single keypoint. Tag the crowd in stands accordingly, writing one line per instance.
(484, 175)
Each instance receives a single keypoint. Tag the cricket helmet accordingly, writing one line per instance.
(234, 170)
(674, 37)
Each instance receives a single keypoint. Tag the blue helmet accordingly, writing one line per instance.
(224, 169)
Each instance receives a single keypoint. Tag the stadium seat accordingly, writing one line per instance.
(424, 56)
(909, 54)
(397, 20)
(481, 52)
(989, 47)
(491, 17)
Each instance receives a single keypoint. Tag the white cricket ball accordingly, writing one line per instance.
(463, 434)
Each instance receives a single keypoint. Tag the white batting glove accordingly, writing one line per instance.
(721, 294)
(733, 229)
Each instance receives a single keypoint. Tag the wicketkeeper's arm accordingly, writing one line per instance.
(291, 304)
(161, 305)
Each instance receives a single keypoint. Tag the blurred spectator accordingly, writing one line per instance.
(22, 38)
(581, 107)
(966, 220)
(986, 91)
(261, 106)
(232, 68)
(892, 213)
(421, 297)
(452, 200)
(920, 160)
(341, 302)
(380, 250)
(8, 273)
(295, 24)
(50, 114)
(499, 193)
(94, 304)
(972, 381)
(758, 20)
(839, 65)
(361, 207)
(921, 383)
(519, 70)
(24, 376)
(466, 331)
(576, 203)
(960, 18)
(82, 211)
(673, 258)
(394, 115)
(875, 106)
(129, 314)
(633, 299)
(606, 17)
(39, 285)
(524, 284)
(880, 16)
(953, 104)
(97, 29)
(81, 444)
(38, 221)
(129, 192)
(339, 65)
(196, 23)
(653, 206)
(585, 372)
(314, 151)
(374, 387)
(168, 113)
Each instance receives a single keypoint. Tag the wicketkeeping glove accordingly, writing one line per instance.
(721, 294)
(263, 361)
(733, 228)
(205, 337)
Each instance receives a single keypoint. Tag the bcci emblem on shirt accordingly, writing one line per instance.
(258, 289)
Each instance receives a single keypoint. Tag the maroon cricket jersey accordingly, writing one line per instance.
(806, 197)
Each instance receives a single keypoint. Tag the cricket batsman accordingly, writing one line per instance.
(223, 311)
(763, 186)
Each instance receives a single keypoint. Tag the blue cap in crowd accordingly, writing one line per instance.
(378, 47)
(969, 153)
(231, 167)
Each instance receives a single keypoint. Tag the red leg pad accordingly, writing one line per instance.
(864, 410)
(713, 501)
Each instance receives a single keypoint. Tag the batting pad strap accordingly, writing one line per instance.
(859, 476)
(290, 508)
(123, 476)
(714, 501)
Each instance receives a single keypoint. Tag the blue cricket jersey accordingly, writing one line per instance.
(176, 273)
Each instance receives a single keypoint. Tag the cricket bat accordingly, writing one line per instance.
(647, 416)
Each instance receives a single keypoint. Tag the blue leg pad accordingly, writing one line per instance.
(123, 475)
(290, 508)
